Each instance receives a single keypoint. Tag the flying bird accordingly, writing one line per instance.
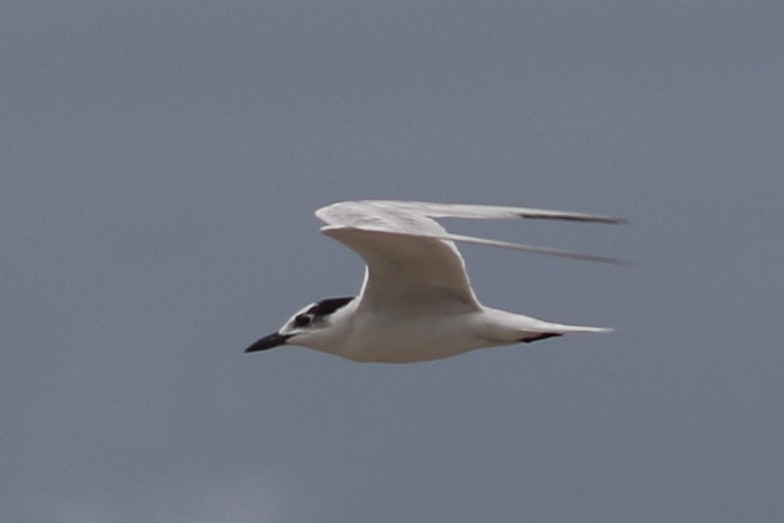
(416, 302)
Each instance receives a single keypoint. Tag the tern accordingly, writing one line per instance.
(416, 303)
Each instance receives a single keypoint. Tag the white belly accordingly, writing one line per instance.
(412, 339)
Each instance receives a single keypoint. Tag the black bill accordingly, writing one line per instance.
(268, 342)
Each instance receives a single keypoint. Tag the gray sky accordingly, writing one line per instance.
(160, 165)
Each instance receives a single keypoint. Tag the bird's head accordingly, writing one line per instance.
(306, 328)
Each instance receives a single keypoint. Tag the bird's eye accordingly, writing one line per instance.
(302, 320)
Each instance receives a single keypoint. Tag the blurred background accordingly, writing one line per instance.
(160, 163)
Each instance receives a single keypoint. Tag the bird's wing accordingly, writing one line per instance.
(462, 210)
(409, 264)
(411, 259)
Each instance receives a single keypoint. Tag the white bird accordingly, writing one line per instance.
(416, 303)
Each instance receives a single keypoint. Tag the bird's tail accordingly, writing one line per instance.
(568, 329)
(518, 328)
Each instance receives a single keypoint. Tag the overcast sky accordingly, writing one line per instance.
(160, 163)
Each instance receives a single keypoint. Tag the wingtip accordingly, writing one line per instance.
(573, 217)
